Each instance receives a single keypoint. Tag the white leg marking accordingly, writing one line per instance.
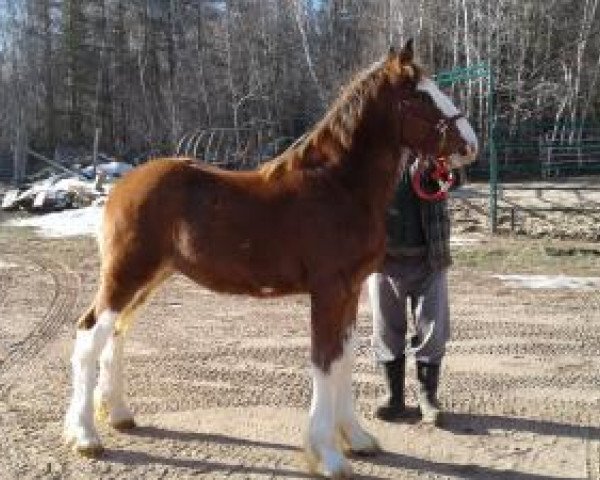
(79, 422)
(322, 435)
(356, 438)
(110, 392)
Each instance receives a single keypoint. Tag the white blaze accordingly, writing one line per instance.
(446, 106)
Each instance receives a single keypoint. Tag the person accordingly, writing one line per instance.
(415, 270)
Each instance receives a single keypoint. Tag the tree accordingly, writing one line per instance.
(146, 71)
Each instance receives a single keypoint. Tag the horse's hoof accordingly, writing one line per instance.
(83, 440)
(362, 445)
(125, 424)
(311, 458)
(94, 450)
(90, 448)
(367, 451)
(335, 466)
(340, 471)
(118, 418)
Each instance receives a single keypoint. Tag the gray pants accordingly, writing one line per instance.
(399, 280)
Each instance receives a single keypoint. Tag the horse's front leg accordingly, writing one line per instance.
(323, 450)
(332, 407)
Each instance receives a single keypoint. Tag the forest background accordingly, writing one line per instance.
(145, 72)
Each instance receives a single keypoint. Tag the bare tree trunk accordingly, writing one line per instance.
(95, 150)
(173, 67)
(591, 92)
(20, 149)
(467, 47)
(200, 71)
(48, 78)
(563, 103)
(589, 12)
(298, 12)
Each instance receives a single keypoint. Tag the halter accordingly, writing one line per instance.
(439, 170)
(442, 125)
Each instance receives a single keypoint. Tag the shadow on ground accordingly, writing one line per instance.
(457, 423)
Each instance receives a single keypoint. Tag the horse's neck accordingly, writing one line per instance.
(370, 169)
(367, 166)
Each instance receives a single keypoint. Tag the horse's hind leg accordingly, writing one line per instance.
(109, 395)
(92, 334)
(117, 296)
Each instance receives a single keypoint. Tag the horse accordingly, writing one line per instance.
(311, 220)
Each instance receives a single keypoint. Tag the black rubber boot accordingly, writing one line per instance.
(393, 407)
(429, 378)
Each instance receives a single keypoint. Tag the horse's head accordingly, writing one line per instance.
(429, 123)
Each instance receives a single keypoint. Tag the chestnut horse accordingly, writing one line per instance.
(311, 220)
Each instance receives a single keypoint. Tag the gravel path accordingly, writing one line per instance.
(221, 389)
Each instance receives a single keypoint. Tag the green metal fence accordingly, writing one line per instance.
(542, 149)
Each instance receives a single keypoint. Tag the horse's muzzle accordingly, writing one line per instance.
(466, 157)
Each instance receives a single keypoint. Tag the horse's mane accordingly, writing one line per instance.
(339, 123)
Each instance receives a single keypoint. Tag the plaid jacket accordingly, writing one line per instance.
(435, 223)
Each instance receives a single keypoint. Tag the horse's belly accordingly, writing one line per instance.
(240, 280)
(238, 263)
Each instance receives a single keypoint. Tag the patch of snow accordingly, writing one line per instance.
(67, 223)
(6, 265)
(111, 169)
(550, 282)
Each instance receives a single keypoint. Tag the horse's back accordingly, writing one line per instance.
(234, 231)
(215, 226)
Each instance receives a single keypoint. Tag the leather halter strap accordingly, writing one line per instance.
(442, 126)
(437, 130)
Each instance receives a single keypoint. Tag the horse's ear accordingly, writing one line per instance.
(392, 52)
(407, 54)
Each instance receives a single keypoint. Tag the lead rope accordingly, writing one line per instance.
(441, 173)
(411, 347)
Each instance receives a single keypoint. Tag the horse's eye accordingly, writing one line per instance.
(425, 97)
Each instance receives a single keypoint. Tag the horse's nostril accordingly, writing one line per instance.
(469, 150)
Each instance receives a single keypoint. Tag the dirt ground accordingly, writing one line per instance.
(221, 389)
